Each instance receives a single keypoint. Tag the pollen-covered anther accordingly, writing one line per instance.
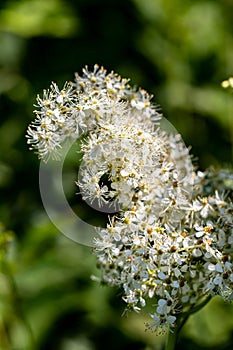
(208, 229)
(127, 221)
(159, 230)
(150, 230)
(204, 201)
(173, 249)
(133, 209)
(184, 234)
(93, 80)
(111, 229)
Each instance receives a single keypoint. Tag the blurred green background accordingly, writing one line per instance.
(180, 51)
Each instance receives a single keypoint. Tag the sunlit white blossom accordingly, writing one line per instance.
(170, 238)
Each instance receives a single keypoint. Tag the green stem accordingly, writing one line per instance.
(184, 317)
(15, 303)
(171, 340)
(181, 320)
(4, 341)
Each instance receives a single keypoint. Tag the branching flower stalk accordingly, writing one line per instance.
(171, 236)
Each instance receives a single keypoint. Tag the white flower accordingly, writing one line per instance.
(167, 238)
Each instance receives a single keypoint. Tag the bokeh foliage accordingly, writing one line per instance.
(178, 50)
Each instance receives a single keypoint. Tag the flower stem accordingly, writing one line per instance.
(181, 320)
(171, 340)
(4, 341)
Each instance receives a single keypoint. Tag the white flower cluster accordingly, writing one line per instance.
(171, 236)
(228, 83)
(94, 101)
